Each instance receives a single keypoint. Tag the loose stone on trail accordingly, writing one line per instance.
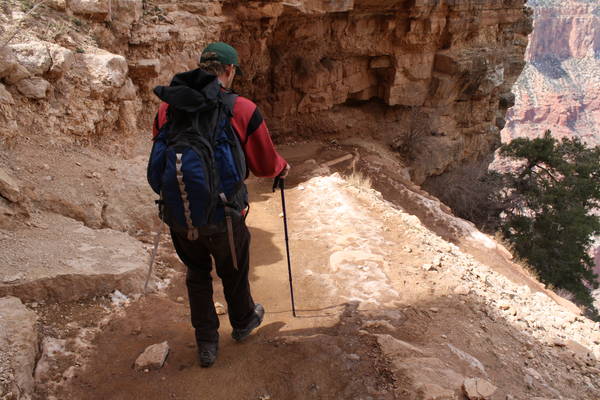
(478, 389)
(220, 308)
(153, 357)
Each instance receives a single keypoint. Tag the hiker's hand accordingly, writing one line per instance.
(285, 171)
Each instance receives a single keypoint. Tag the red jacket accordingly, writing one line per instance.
(261, 156)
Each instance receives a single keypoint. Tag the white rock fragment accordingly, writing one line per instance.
(220, 308)
(106, 69)
(33, 55)
(472, 361)
(462, 290)
(118, 299)
(153, 357)
(429, 267)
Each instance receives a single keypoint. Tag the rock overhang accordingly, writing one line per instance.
(452, 61)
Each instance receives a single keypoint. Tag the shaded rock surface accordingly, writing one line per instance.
(66, 261)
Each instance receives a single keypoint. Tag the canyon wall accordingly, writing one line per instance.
(431, 78)
(560, 86)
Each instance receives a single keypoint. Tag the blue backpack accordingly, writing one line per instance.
(197, 166)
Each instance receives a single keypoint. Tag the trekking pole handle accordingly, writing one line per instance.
(278, 183)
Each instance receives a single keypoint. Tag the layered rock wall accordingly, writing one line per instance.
(560, 86)
(430, 77)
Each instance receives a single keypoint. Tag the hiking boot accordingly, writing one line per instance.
(241, 334)
(207, 353)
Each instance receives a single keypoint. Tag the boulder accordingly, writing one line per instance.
(62, 59)
(96, 9)
(59, 5)
(145, 69)
(128, 91)
(8, 187)
(153, 357)
(106, 68)
(8, 61)
(34, 56)
(5, 96)
(68, 261)
(478, 389)
(33, 88)
(18, 346)
(128, 11)
(16, 74)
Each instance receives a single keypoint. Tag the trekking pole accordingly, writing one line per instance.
(279, 182)
(154, 251)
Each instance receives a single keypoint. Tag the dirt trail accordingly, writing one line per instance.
(387, 309)
(286, 358)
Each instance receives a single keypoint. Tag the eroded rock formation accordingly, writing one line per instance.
(431, 78)
(426, 77)
(560, 86)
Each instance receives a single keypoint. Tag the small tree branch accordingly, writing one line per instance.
(547, 172)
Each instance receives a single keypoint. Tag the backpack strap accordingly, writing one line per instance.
(228, 219)
(229, 99)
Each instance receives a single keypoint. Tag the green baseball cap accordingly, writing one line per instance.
(222, 52)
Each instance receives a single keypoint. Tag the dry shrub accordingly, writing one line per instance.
(359, 180)
(409, 142)
(471, 192)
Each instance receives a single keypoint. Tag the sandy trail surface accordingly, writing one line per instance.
(316, 355)
(387, 309)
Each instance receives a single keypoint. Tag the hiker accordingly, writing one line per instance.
(200, 103)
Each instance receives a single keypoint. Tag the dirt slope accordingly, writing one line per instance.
(387, 310)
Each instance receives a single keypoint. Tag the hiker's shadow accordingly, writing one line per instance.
(263, 250)
(259, 189)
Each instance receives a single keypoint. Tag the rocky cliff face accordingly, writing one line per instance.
(431, 78)
(560, 86)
